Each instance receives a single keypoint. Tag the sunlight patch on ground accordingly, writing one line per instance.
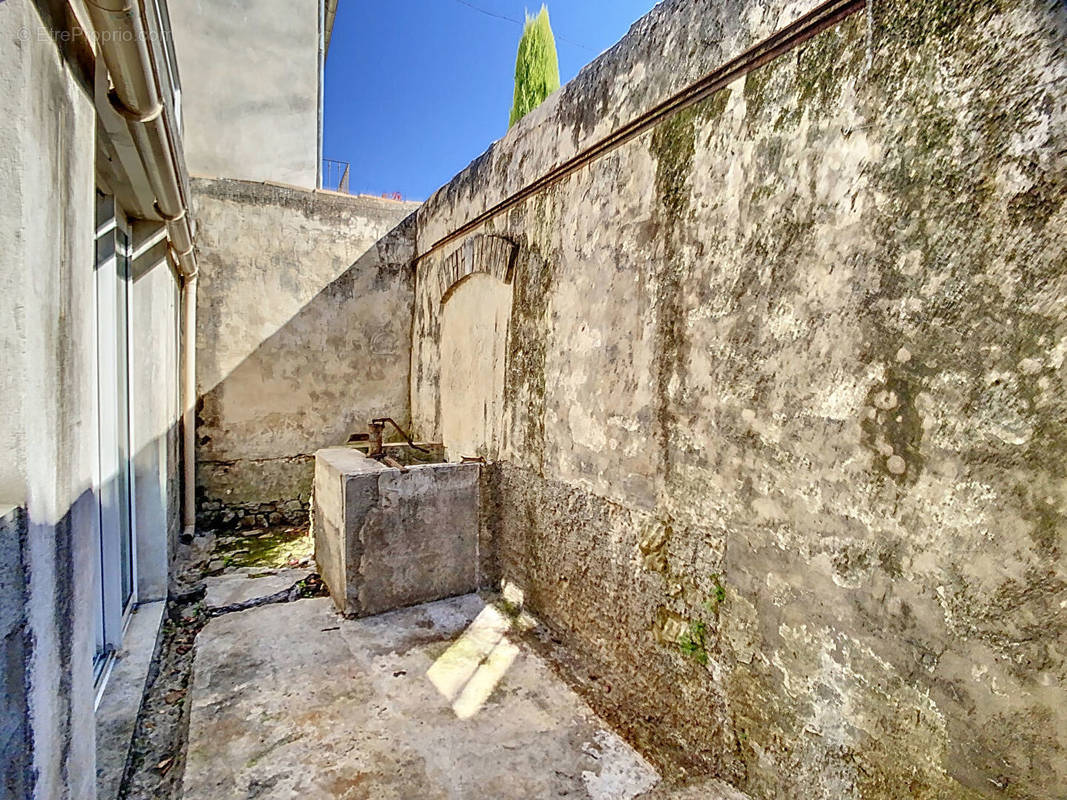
(468, 671)
(482, 683)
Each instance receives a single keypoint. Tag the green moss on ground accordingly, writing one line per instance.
(271, 549)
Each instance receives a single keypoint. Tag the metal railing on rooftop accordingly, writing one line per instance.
(335, 175)
(335, 178)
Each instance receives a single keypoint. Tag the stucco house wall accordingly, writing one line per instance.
(251, 87)
(46, 236)
(50, 475)
(783, 450)
(303, 336)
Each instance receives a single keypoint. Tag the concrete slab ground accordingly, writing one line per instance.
(116, 714)
(248, 583)
(435, 702)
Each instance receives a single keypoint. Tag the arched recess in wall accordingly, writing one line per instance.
(475, 311)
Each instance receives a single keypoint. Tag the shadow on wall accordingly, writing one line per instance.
(340, 361)
(15, 748)
(50, 601)
(59, 558)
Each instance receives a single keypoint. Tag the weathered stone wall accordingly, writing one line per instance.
(303, 334)
(784, 414)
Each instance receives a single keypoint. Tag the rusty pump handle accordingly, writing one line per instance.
(382, 420)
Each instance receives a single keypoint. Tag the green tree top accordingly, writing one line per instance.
(536, 67)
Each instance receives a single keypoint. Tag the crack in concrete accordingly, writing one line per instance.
(311, 586)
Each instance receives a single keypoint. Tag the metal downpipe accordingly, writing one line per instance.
(189, 403)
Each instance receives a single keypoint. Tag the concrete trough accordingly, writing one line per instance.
(386, 538)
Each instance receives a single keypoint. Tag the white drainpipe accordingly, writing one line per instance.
(124, 47)
(189, 401)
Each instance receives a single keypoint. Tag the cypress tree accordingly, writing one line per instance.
(536, 66)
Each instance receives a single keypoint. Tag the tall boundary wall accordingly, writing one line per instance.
(784, 427)
(303, 335)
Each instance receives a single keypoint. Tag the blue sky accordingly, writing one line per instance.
(416, 89)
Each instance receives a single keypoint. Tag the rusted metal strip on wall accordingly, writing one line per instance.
(788, 38)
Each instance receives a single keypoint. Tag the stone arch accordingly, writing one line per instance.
(485, 252)
(474, 309)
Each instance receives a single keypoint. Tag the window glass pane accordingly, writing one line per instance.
(122, 395)
(115, 490)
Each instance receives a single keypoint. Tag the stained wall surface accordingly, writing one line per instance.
(47, 126)
(303, 335)
(783, 448)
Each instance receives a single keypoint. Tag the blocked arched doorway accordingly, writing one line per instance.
(474, 332)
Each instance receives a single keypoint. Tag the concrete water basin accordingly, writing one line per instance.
(389, 537)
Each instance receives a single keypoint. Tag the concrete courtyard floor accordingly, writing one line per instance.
(436, 701)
